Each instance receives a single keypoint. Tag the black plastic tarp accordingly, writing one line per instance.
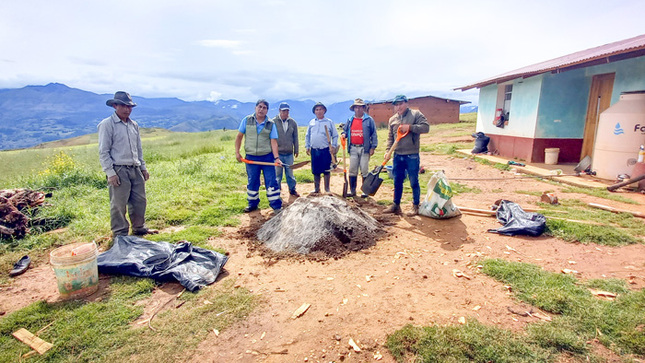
(192, 266)
(516, 221)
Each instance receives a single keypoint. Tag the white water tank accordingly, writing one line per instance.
(620, 133)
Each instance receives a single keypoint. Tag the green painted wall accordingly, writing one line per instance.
(555, 105)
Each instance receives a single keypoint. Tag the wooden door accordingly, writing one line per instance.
(602, 86)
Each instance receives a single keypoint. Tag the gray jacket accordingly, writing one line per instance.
(410, 143)
(287, 140)
(119, 144)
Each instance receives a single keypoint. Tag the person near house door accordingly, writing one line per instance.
(360, 130)
(406, 154)
(287, 146)
(260, 144)
(121, 158)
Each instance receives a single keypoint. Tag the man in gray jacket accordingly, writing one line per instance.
(121, 158)
(406, 154)
(287, 146)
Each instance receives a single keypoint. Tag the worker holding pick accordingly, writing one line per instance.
(261, 147)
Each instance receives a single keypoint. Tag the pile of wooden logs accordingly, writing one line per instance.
(14, 203)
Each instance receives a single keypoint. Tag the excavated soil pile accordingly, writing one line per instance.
(315, 225)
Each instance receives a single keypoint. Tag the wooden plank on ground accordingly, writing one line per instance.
(533, 170)
(301, 310)
(616, 210)
(33, 341)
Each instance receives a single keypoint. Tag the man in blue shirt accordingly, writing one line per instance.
(318, 145)
(260, 144)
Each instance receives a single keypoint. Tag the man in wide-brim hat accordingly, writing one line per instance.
(321, 140)
(121, 158)
(360, 131)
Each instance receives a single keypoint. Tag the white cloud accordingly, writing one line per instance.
(219, 43)
(328, 50)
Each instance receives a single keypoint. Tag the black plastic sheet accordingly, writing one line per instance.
(516, 221)
(481, 143)
(192, 266)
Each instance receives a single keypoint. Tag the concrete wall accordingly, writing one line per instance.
(549, 110)
(436, 110)
(523, 111)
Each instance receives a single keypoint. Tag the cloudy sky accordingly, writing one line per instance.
(324, 50)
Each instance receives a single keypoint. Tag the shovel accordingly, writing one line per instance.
(342, 142)
(292, 166)
(373, 181)
(334, 161)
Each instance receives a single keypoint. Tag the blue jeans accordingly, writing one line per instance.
(253, 187)
(291, 181)
(401, 164)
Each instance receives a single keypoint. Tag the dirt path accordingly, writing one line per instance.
(408, 277)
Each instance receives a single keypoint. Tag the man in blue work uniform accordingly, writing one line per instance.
(260, 145)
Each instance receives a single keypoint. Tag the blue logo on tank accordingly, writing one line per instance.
(618, 130)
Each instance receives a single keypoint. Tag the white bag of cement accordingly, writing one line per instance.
(437, 203)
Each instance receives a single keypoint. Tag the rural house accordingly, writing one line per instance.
(436, 109)
(557, 103)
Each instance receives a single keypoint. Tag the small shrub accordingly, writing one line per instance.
(61, 171)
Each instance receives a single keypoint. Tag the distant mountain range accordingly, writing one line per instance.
(35, 114)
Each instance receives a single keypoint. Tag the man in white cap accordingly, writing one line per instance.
(287, 146)
(360, 130)
(121, 158)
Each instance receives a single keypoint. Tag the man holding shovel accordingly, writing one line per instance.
(406, 153)
(287, 146)
(360, 129)
(261, 146)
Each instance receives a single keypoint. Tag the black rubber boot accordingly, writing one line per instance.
(352, 186)
(317, 183)
(327, 178)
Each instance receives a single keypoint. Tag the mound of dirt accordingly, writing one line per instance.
(322, 227)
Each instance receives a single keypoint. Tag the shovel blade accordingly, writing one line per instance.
(371, 184)
(345, 186)
(299, 165)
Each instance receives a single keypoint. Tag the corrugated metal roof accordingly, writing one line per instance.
(575, 59)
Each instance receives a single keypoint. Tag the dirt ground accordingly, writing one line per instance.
(422, 271)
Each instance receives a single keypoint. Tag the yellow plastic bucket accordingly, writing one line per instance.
(76, 270)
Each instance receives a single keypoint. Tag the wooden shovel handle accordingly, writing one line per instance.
(611, 188)
(399, 136)
(259, 162)
(333, 156)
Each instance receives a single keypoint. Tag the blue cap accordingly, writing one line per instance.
(284, 106)
(400, 98)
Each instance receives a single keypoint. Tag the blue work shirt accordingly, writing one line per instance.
(316, 138)
(242, 128)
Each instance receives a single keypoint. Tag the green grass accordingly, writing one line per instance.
(600, 193)
(103, 330)
(472, 342)
(470, 117)
(616, 229)
(196, 184)
(579, 317)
